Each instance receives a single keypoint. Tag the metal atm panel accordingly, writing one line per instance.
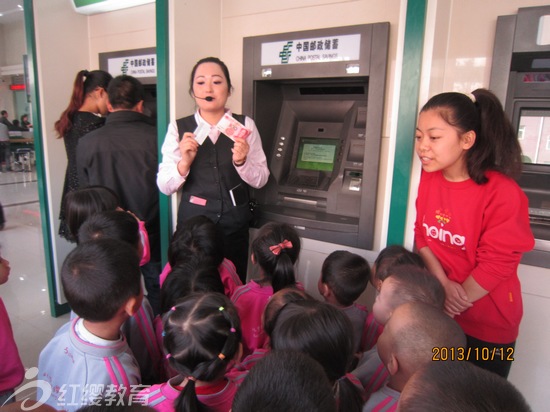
(521, 79)
(320, 118)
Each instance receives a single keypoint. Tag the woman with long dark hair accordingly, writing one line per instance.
(85, 112)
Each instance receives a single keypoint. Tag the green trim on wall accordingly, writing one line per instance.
(83, 3)
(408, 111)
(32, 71)
(163, 115)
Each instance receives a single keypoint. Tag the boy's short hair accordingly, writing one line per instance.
(394, 255)
(112, 224)
(415, 329)
(125, 92)
(99, 277)
(455, 386)
(285, 381)
(414, 284)
(346, 274)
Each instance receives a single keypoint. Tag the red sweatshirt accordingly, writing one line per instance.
(478, 230)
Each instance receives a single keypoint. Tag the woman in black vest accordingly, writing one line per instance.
(214, 171)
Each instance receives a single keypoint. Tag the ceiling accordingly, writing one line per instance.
(10, 11)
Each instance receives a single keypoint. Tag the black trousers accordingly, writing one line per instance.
(494, 357)
(236, 250)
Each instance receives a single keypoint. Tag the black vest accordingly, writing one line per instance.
(210, 179)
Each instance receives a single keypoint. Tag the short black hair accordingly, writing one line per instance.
(455, 386)
(346, 274)
(393, 255)
(99, 277)
(285, 381)
(125, 92)
(82, 203)
(112, 224)
(196, 236)
(416, 285)
(325, 333)
(194, 275)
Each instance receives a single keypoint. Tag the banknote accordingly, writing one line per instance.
(232, 128)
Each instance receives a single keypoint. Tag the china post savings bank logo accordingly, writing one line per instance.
(286, 52)
(445, 236)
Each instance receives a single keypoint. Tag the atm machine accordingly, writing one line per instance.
(317, 98)
(520, 77)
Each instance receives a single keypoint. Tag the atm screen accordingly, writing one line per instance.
(317, 154)
(534, 135)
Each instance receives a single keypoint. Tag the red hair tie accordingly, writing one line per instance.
(285, 244)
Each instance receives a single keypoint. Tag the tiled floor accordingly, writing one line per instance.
(25, 294)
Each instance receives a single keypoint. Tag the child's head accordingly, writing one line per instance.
(458, 387)
(285, 381)
(390, 256)
(202, 334)
(4, 270)
(325, 333)
(407, 283)
(193, 275)
(100, 278)
(83, 203)
(275, 249)
(278, 301)
(112, 224)
(344, 276)
(196, 236)
(456, 133)
(410, 337)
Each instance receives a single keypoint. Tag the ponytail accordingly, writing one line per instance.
(85, 82)
(276, 249)
(348, 396)
(283, 273)
(187, 399)
(496, 146)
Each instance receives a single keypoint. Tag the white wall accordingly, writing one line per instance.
(12, 43)
(125, 29)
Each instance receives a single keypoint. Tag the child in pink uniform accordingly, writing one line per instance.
(201, 338)
(199, 237)
(275, 250)
(11, 367)
(324, 333)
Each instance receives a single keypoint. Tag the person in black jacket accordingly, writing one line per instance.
(123, 156)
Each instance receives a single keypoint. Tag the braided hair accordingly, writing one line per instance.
(202, 334)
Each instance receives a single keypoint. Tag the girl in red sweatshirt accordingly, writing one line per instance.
(472, 222)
